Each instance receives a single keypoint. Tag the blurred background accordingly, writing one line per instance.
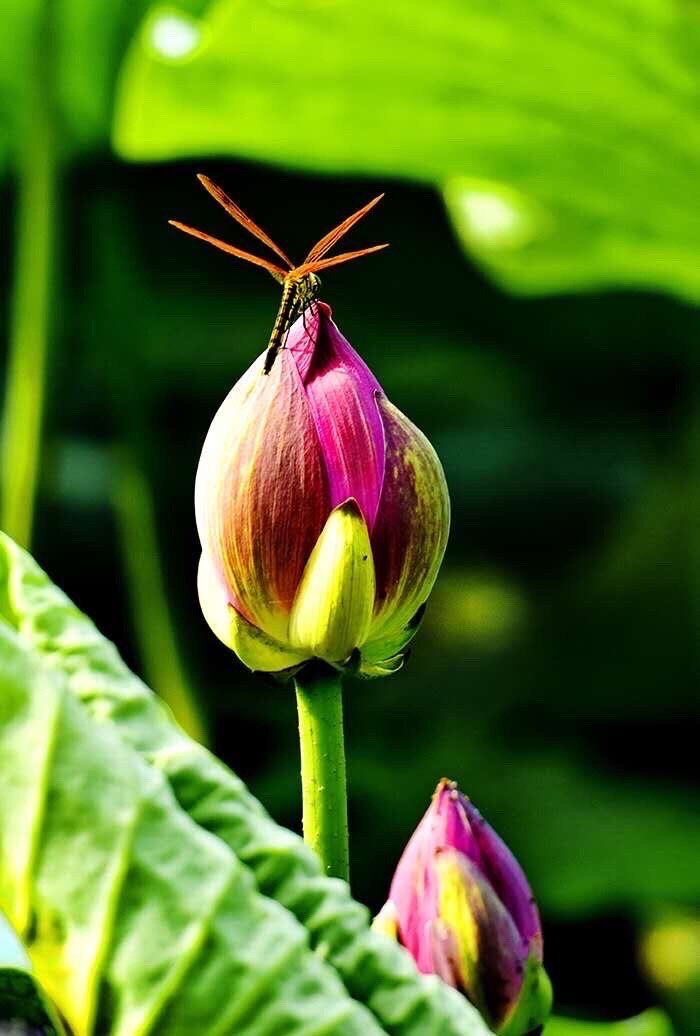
(536, 315)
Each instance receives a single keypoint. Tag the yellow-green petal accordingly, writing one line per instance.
(332, 610)
(460, 906)
(387, 921)
(255, 648)
(488, 948)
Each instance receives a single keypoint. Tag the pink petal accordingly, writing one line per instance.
(507, 878)
(452, 822)
(410, 535)
(414, 893)
(459, 824)
(342, 395)
(260, 496)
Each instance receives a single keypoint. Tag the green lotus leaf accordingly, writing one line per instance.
(153, 892)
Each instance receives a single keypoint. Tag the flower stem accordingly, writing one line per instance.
(324, 791)
(31, 291)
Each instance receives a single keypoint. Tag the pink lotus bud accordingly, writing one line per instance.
(461, 905)
(322, 511)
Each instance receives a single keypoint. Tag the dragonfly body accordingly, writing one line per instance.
(300, 284)
(297, 295)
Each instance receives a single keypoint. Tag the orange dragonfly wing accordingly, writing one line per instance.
(239, 215)
(278, 272)
(333, 236)
(334, 260)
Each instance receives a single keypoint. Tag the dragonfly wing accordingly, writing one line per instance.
(333, 236)
(334, 260)
(239, 215)
(277, 271)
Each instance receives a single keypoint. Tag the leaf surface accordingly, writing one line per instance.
(565, 136)
(649, 1023)
(187, 891)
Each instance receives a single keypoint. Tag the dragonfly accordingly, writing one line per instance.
(301, 284)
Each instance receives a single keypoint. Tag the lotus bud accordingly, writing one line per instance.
(322, 512)
(461, 905)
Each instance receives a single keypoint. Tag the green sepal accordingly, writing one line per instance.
(389, 654)
(534, 1003)
(371, 670)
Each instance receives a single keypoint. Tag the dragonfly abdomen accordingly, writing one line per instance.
(296, 296)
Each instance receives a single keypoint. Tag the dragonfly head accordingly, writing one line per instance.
(308, 289)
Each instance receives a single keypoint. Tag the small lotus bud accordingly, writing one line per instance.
(460, 903)
(322, 511)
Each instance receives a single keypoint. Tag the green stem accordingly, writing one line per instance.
(31, 293)
(148, 598)
(324, 792)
